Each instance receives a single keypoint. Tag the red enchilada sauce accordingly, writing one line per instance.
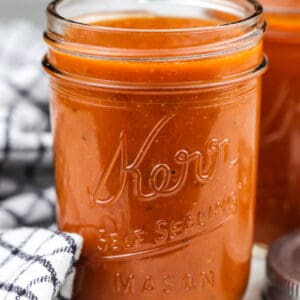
(159, 179)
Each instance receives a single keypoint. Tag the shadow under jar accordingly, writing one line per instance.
(278, 203)
(155, 109)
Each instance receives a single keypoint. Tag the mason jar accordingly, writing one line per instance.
(155, 108)
(278, 203)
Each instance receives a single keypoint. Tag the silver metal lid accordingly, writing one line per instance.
(283, 268)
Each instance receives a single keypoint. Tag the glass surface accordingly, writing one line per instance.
(156, 145)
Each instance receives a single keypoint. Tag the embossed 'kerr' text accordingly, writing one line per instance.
(202, 164)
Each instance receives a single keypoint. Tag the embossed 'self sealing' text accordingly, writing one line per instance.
(159, 182)
(167, 233)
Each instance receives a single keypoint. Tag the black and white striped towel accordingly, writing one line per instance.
(36, 262)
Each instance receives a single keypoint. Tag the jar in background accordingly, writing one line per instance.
(155, 109)
(278, 205)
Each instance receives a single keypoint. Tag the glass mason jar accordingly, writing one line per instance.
(278, 205)
(155, 109)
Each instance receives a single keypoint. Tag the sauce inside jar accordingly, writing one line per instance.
(156, 173)
(278, 205)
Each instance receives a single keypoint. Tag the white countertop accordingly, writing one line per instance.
(257, 277)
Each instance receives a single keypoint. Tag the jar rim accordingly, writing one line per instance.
(283, 8)
(154, 87)
(206, 40)
(100, 43)
(52, 11)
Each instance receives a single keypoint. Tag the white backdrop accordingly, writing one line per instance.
(23, 9)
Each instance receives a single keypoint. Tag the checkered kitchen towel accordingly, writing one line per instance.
(35, 262)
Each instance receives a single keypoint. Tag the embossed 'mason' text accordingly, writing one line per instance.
(202, 164)
(131, 284)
